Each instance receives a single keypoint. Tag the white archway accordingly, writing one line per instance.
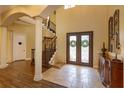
(15, 13)
(31, 11)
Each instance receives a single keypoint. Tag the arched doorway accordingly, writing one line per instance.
(12, 16)
(18, 32)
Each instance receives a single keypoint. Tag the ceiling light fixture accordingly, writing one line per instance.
(68, 6)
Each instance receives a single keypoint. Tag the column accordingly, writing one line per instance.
(38, 49)
(3, 60)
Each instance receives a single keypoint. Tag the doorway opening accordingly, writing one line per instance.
(80, 48)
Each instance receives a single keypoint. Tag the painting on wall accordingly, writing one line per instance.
(114, 39)
(111, 33)
(116, 27)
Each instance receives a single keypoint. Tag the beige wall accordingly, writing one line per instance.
(0, 36)
(111, 12)
(79, 19)
(28, 30)
(0, 20)
(9, 47)
(0, 41)
(53, 18)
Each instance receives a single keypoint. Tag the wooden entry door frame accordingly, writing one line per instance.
(78, 48)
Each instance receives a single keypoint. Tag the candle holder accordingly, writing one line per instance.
(103, 49)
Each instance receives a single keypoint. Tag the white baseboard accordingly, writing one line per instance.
(28, 59)
(37, 77)
(2, 66)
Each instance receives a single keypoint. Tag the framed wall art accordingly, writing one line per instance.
(116, 27)
(110, 33)
(113, 32)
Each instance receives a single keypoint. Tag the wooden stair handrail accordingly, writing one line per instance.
(49, 44)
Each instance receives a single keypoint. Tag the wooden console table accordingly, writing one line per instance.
(111, 72)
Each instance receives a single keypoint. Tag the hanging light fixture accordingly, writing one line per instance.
(68, 6)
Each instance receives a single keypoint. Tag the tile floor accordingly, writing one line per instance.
(73, 76)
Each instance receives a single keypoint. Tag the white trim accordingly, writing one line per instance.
(28, 59)
(37, 77)
(4, 49)
(2, 66)
(38, 49)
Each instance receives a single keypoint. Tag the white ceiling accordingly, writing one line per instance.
(4, 8)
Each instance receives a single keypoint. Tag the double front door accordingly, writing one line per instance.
(80, 48)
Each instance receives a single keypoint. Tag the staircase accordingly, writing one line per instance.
(49, 45)
(49, 51)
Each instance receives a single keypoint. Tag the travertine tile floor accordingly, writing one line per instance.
(73, 76)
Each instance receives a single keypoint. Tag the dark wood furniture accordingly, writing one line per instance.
(116, 74)
(32, 56)
(104, 70)
(111, 72)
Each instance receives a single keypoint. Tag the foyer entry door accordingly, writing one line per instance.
(80, 48)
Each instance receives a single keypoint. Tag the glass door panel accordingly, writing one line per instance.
(80, 48)
(84, 48)
(72, 48)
